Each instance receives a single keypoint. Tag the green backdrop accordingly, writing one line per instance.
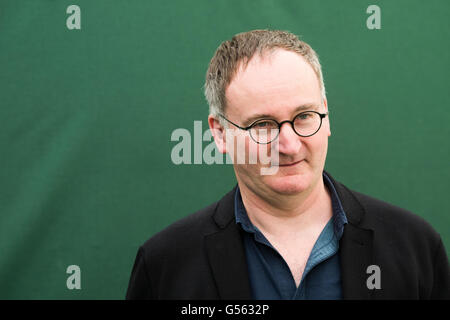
(86, 118)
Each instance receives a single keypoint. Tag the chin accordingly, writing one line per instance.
(289, 185)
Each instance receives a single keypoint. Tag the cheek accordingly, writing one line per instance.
(326, 127)
(248, 152)
(236, 144)
(317, 147)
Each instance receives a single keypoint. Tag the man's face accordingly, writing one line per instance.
(279, 86)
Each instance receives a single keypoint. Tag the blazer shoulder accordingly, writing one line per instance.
(184, 231)
(379, 212)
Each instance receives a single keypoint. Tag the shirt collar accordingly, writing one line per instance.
(339, 216)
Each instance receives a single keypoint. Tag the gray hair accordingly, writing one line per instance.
(240, 49)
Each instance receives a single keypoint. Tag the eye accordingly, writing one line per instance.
(265, 125)
(305, 116)
(262, 124)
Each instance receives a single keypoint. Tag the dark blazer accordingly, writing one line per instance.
(202, 256)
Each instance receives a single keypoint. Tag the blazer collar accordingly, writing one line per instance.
(226, 253)
(355, 246)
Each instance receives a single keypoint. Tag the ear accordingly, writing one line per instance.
(327, 119)
(218, 132)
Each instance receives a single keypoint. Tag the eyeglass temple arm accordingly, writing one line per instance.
(323, 115)
(234, 124)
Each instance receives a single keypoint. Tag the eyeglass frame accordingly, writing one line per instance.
(291, 122)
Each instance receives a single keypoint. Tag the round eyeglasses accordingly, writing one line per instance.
(264, 131)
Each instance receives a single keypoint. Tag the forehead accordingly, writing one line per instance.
(276, 82)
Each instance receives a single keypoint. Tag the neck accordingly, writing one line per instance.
(286, 214)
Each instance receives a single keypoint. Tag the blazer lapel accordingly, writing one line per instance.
(355, 256)
(226, 253)
(355, 247)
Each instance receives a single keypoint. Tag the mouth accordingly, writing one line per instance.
(290, 164)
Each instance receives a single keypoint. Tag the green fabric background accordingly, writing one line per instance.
(86, 118)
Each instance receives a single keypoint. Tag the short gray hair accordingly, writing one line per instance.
(240, 49)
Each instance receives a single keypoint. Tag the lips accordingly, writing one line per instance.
(291, 164)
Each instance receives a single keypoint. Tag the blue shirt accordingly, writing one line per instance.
(269, 274)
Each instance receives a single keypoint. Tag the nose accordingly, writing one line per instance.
(289, 142)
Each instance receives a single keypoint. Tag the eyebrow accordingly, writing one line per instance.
(303, 107)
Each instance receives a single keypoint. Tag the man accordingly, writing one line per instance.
(295, 233)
